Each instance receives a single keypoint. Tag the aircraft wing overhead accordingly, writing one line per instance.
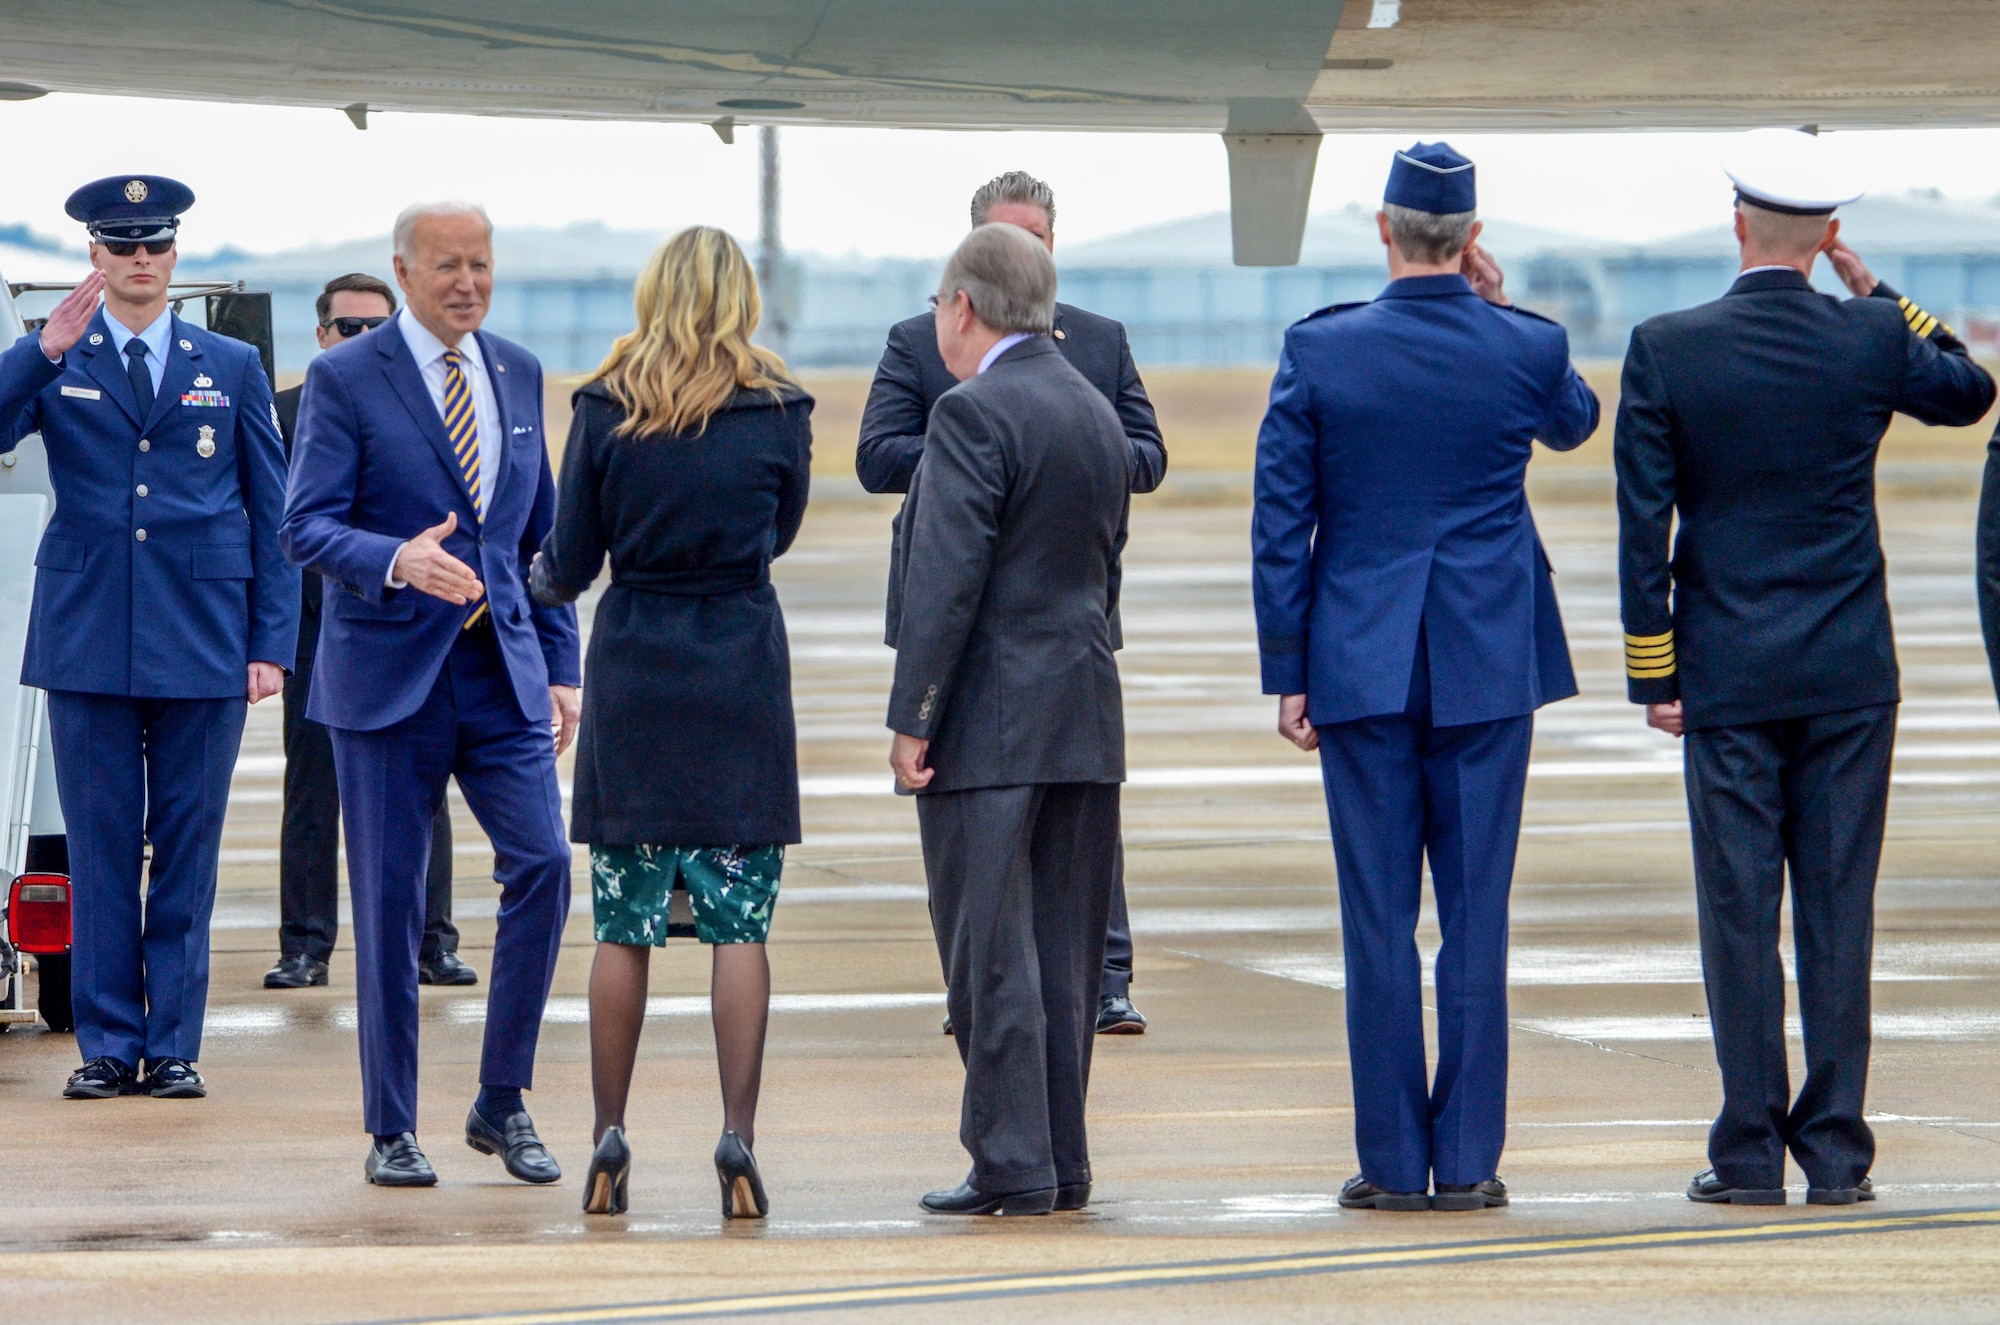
(1270, 75)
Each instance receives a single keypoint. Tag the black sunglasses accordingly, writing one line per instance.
(125, 248)
(350, 327)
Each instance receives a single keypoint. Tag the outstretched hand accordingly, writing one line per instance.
(1853, 272)
(423, 564)
(72, 316)
(1479, 268)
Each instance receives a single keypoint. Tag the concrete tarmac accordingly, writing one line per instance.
(1219, 1138)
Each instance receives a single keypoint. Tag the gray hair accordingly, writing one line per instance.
(1428, 237)
(1016, 186)
(405, 233)
(1007, 276)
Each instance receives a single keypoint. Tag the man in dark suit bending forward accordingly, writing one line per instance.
(1008, 717)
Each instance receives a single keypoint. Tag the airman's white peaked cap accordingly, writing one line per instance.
(1788, 170)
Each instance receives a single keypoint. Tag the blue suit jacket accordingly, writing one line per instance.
(372, 468)
(181, 612)
(1389, 495)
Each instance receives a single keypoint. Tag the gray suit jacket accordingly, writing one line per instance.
(1009, 569)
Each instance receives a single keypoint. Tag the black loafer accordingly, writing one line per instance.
(947, 1027)
(1117, 1016)
(295, 970)
(102, 1078)
(1862, 1191)
(1072, 1195)
(173, 1079)
(1488, 1195)
(610, 1167)
(399, 1164)
(445, 969)
(742, 1184)
(965, 1199)
(513, 1139)
(1361, 1194)
(1708, 1189)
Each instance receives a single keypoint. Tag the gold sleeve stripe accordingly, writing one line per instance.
(1647, 673)
(1647, 641)
(1920, 322)
(1656, 652)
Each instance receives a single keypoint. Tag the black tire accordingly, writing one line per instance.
(53, 1001)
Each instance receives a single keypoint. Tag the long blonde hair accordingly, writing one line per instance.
(697, 304)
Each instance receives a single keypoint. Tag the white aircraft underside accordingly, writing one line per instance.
(1270, 75)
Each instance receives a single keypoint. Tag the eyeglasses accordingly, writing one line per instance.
(350, 327)
(125, 248)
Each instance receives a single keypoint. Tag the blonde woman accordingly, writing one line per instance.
(687, 467)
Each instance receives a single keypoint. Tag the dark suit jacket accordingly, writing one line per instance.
(1757, 418)
(1014, 524)
(374, 468)
(310, 595)
(687, 736)
(912, 376)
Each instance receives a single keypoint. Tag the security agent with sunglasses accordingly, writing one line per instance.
(162, 607)
(309, 844)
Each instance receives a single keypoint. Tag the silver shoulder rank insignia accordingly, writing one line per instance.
(135, 190)
(205, 446)
(203, 380)
(188, 345)
(96, 338)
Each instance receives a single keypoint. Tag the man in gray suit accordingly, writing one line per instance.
(1008, 718)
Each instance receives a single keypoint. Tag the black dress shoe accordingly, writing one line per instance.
(173, 1079)
(610, 1166)
(445, 969)
(295, 970)
(965, 1199)
(1862, 1191)
(947, 1027)
(1072, 1195)
(1361, 1194)
(399, 1164)
(1117, 1016)
(102, 1079)
(742, 1184)
(513, 1139)
(1487, 1195)
(1708, 1189)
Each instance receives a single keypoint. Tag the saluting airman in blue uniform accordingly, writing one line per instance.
(162, 607)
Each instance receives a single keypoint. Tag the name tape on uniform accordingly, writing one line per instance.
(83, 392)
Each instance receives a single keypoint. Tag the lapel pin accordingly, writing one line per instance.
(1059, 334)
(188, 345)
(205, 447)
(96, 338)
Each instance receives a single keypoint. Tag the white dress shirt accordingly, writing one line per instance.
(1001, 346)
(154, 338)
(429, 353)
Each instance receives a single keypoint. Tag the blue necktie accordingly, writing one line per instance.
(142, 378)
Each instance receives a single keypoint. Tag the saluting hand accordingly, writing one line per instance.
(1853, 272)
(424, 564)
(1484, 274)
(67, 323)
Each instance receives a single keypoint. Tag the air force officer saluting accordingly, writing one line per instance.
(162, 606)
(421, 489)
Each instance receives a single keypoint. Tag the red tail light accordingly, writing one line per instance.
(38, 913)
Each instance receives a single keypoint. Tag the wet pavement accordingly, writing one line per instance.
(1219, 1138)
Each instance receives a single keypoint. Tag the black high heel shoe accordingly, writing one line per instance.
(742, 1185)
(610, 1166)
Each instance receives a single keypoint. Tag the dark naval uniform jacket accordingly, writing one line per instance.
(160, 576)
(912, 376)
(1389, 500)
(1757, 417)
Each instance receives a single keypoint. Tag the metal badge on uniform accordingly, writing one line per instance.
(188, 345)
(204, 380)
(83, 392)
(205, 447)
(96, 338)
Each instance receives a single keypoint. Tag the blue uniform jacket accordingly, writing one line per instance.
(160, 576)
(372, 468)
(1389, 494)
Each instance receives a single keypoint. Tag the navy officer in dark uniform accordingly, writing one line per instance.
(1407, 619)
(162, 607)
(1763, 638)
(909, 381)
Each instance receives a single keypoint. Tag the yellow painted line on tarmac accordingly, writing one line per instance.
(1225, 1271)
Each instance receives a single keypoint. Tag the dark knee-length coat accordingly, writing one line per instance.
(688, 737)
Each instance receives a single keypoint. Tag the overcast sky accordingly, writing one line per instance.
(273, 178)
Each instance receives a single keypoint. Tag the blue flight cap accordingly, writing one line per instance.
(131, 208)
(1430, 177)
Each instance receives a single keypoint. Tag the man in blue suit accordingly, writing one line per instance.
(162, 607)
(1406, 616)
(420, 488)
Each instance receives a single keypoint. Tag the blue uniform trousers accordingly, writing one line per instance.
(132, 771)
(1810, 794)
(391, 782)
(1398, 789)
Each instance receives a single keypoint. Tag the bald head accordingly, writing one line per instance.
(1781, 237)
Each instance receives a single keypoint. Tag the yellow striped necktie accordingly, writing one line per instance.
(461, 427)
